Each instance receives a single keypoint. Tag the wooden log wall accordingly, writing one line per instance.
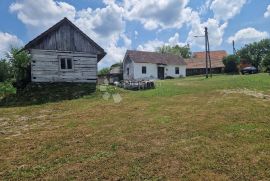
(45, 66)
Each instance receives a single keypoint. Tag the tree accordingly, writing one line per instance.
(5, 70)
(176, 50)
(266, 63)
(231, 63)
(255, 52)
(104, 71)
(21, 70)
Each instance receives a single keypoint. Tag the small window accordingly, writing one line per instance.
(69, 63)
(176, 70)
(63, 63)
(143, 70)
(127, 71)
(66, 63)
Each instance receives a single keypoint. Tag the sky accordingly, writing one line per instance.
(118, 25)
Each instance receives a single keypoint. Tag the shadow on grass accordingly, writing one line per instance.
(36, 94)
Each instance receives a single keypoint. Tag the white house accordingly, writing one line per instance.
(139, 65)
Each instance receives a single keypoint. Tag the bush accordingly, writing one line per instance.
(266, 63)
(6, 88)
(104, 71)
(5, 70)
(20, 61)
(231, 63)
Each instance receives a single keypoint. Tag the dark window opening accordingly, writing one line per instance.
(66, 63)
(69, 63)
(127, 71)
(176, 70)
(143, 70)
(63, 63)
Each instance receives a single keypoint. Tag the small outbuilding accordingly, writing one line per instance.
(64, 53)
(196, 64)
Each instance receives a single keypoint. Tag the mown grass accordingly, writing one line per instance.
(185, 129)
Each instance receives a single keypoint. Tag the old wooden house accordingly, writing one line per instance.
(64, 53)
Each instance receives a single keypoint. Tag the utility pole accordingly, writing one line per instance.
(206, 52)
(234, 50)
(209, 56)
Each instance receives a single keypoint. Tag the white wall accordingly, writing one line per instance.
(151, 71)
(128, 64)
(170, 71)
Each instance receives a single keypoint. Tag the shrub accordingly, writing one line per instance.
(5, 70)
(231, 63)
(20, 61)
(266, 63)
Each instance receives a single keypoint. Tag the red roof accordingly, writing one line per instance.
(198, 59)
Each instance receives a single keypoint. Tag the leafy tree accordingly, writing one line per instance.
(266, 63)
(104, 71)
(176, 50)
(5, 70)
(231, 63)
(255, 52)
(20, 62)
(120, 64)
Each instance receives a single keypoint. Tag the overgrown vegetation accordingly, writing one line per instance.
(184, 51)
(5, 70)
(185, 129)
(255, 53)
(104, 71)
(231, 63)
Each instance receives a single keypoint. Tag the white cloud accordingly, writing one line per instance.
(8, 41)
(226, 9)
(248, 35)
(155, 14)
(215, 31)
(267, 13)
(154, 44)
(41, 14)
(104, 25)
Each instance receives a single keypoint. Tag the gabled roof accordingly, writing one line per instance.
(198, 59)
(215, 55)
(35, 41)
(154, 57)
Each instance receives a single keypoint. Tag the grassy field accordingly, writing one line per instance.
(185, 129)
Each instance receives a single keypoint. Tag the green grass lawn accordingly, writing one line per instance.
(185, 129)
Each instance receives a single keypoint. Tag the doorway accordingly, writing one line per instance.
(161, 73)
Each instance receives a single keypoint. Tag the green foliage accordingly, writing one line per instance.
(20, 61)
(266, 62)
(255, 52)
(176, 50)
(5, 70)
(231, 63)
(104, 71)
(120, 64)
(6, 89)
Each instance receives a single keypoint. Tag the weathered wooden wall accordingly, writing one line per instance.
(45, 67)
(66, 38)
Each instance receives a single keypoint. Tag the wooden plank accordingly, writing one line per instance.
(54, 52)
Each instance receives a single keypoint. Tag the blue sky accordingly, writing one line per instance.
(118, 25)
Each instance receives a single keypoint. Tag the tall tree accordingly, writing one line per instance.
(255, 52)
(176, 50)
